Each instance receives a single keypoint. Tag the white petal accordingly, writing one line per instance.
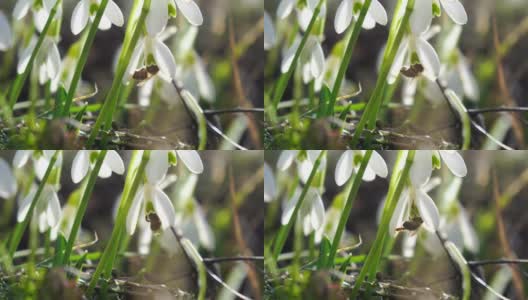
(398, 62)
(285, 8)
(428, 58)
(344, 167)
(343, 16)
(6, 36)
(80, 165)
(378, 165)
(191, 159)
(428, 210)
(205, 83)
(470, 237)
(400, 213)
(163, 207)
(289, 205)
(289, 55)
(269, 32)
(205, 233)
(134, 60)
(53, 210)
(21, 8)
(469, 82)
(135, 209)
(114, 161)
(368, 22)
(317, 212)
(105, 23)
(190, 11)
(369, 174)
(8, 184)
(421, 168)
(270, 189)
(378, 13)
(164, 58)
(157, 166)
(285, 159)
(114, 14)
(304, 169)
(422, 16)
(105, 171)
(23, 209)
(317, 60)
(454, 162)
(80, 16)
(158, 17)
(21, 158)
(25, 56)
(455, 10)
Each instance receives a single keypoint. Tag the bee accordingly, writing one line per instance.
(144, 74)
(154, 220)
(413, 71)
(411, 225)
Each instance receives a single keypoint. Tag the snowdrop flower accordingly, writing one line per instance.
(349, 9)
(270, 189)
(311, 212)
(41, 160)
(415, 199)
(305, 10)
(415, 49)
(85, 160)
(6, 36)
(87, 9)
(426, 160)
(270, 37)
(350, 161)
(161, 9)
(161, 159)
(40, 9)
(422, 15)
(193, 74)
(48, 61)
(151, 51)
(312, 59)
(8, 184)
(48, 212)
(304, 164)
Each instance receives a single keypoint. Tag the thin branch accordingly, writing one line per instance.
(477, 111)
(476, 263)
(212, 112)
(216, 260)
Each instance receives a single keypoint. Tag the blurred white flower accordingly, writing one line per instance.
(422, 15)
(160, 10)
(161, 159)
(193, 74)
(426, 160)
(87, 9)
(270, 188)
(304, 164)
(350, 161)
(48, 61)
(6, 35)
(311, 212)
(84, 160)
(47, 212)
(349, 9)
(40, 9)
(270, 37)
(311, 60)
(8, 184)
(305, 10)
(41, 160)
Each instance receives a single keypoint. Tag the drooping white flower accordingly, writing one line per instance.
(270, 188)
(194, 77)
(150, 51)
(48, 61)
(415, 49)
(8, 184)
(87, 9)
(426, 160)
(311, 212)
(47, 212)
(304, 164)
(40, 158)
(6, 35)
(40, 9)
(422, 15)
(160, 11)
(350, 161)
(84, 160)
(349, 9)
(270, 37)
(312, 59)
(305, 11)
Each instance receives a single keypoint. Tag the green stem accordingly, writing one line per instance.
(372, 260)
(84, 57)
(16, 89)
(348, 55)
(21, 227)
(131, 187)
(110, 103)
(283, 234)
(348, 207)
(373, 106)
(283, 80)
(87, 193)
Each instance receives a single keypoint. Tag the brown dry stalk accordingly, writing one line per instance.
(242, 245)
(506, 96)
(241, 95)
(501, 231)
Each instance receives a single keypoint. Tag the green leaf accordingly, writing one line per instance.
(60, 247)
(60, 99)
(324, 101)
(324, 252)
